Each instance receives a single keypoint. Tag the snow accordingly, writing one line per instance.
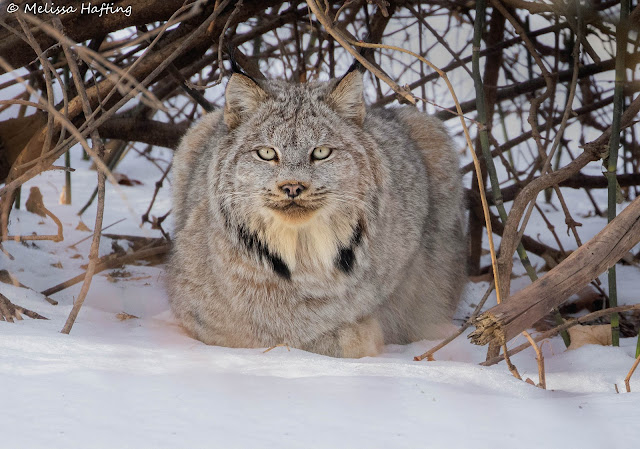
(143, 383)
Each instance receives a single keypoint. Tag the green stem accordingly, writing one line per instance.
(67, 155)
(612, 162)
(484, 142)
(67, 179)
(18, 195)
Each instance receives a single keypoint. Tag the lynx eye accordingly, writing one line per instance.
(266, 153)
(320, 153)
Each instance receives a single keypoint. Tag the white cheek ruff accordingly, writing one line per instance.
(315, 243)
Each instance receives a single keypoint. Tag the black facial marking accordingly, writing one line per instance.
(253, 244)
(279, 266)
(346, 259)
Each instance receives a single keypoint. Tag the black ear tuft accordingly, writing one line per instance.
(356, 65)
(365, 52)
(235, 67)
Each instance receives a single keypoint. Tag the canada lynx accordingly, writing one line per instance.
(303, 218)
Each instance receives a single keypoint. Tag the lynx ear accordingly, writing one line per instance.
(242, 96)
(347, 99)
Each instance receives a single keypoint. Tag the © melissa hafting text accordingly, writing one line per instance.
(84, 8)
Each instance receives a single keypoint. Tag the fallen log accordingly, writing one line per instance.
(507, 320)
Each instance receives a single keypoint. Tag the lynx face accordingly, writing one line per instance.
(295, 172)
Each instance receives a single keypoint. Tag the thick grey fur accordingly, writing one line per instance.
(381, 258)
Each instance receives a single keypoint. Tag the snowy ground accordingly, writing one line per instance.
(142, 383)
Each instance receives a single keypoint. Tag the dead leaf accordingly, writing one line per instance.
(117, 275)
(15, 135)
(122, 316)
(598, 334)
(35, 203)
(57, 265)
(588, 298)
(82, 227)
(124, 180)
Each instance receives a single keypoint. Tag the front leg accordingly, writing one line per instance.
(363, 338)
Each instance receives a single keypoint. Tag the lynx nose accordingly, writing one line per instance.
(292, 190)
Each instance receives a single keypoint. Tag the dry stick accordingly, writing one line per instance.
(491, 73)
(47, 77)
(158, 186)
(552, 230)
(542, 381)
(108, 262)
(533, 302)
(556, 330)
(30, 313)
(95, 141)
(9, 310)
(233, 14)
(429, 354)
(631, 371)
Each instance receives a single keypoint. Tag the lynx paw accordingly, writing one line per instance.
(361, 339)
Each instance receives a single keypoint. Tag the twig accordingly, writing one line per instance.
(95, 140)
(103, 229)
(158, 186)
(9, 311)
(631, 371)
(542, 382)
